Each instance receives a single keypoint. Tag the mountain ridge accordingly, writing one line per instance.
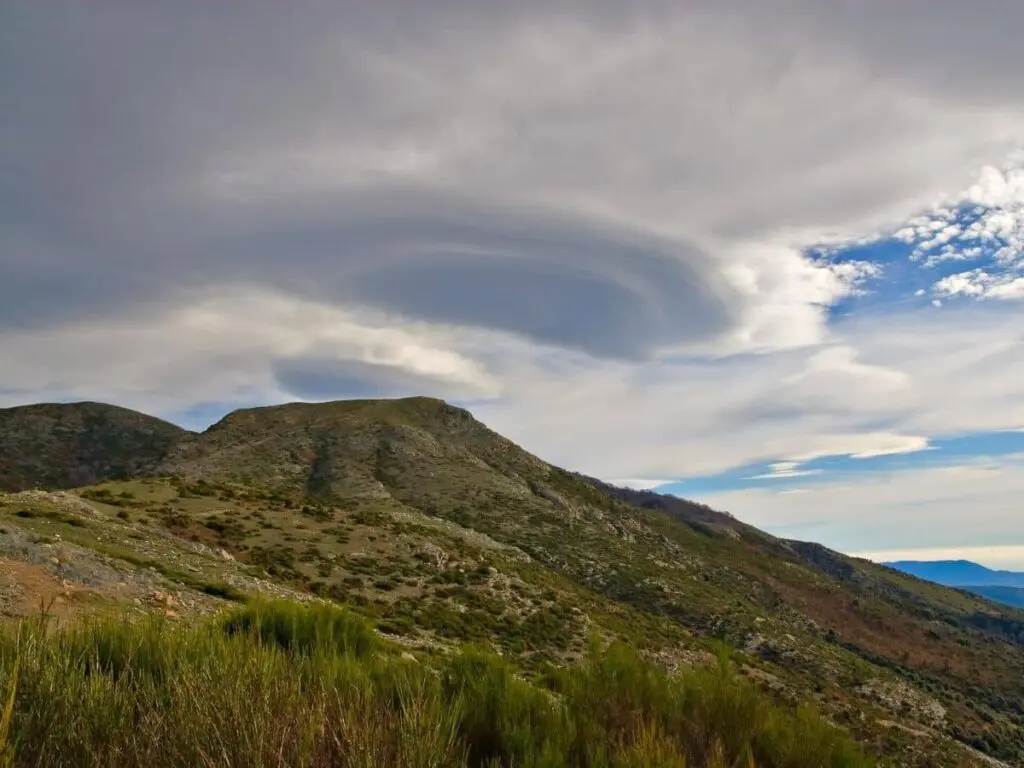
(442, 529)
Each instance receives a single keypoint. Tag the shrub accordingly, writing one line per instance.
(277, 683)
(503, 719)
(303, 629)
(711, 715)
(223, 590)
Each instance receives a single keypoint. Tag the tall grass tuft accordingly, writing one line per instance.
(283, 684)
(304, 628)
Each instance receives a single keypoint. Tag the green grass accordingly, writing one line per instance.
(310, 629)
(283, 684)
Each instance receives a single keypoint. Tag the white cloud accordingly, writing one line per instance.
(785, 469)
(224, 347)
(981, 284)
(786, 474)
(923, 376)
(784, 466)
(866, 445)
(639, 484)
(918, 509)
(983, 220)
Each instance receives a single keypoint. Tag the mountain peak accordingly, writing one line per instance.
(63, 445)
(343, 447)
(389, 409)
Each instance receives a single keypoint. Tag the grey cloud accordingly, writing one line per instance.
(329, 379)
(970, 50)
(121, 110)
(533, 124)
(568, 283)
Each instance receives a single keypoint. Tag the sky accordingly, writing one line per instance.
(769, 256)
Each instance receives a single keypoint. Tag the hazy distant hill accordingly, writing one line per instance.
(1005, 587)
(958, 573)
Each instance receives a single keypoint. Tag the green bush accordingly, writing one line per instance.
(504, 720)
(224, 590)
(710, 715)
(280, 684)
(304, 629)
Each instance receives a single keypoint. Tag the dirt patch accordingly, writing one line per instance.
(27, 589)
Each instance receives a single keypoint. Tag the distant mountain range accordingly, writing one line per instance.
(1002, 586)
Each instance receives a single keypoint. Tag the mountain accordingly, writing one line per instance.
(442, 531)
(958, 573)
(372, 449)
(67, 445)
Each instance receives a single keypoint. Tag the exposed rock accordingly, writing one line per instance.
(898, 696)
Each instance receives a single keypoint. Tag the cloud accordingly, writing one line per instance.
(247, 345)
(981, 285)
(889, 384)
(983, 222)
(920, 511)
(639, 484)
(643, 175)
(321, 378)
(782, 470)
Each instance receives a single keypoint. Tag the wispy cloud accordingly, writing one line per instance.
(785, 469)
(639, 484)
(939, 509)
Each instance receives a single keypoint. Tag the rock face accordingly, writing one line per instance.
(71, 445)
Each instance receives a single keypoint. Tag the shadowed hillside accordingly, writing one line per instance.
(67, 445)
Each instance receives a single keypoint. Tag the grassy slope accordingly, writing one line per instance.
(276, 684)
(443, 532)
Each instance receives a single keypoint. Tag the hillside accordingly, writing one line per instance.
(67, 445)
(442, 532)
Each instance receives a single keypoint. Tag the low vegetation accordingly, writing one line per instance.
(283, 684)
